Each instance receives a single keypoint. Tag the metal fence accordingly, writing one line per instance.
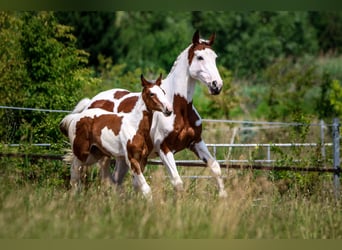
(261, 164)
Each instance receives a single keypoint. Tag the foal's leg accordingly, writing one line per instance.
(139, 180)
(170, 164)
(201, 150)
(120, 170)
(106, 177)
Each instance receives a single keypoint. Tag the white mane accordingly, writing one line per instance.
(178, 59)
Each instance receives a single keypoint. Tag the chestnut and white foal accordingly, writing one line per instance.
(97, 134)
(182, 129)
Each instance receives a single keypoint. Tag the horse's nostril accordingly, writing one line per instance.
(168, 112)
(214, 83)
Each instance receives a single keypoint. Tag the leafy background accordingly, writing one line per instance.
(276, 66)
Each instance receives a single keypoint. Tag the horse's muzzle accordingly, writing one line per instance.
(167, 112)
(214, 88)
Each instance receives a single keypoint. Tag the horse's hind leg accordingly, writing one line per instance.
(77, 175)
(106, 177)
(201, 150)
(120, 170)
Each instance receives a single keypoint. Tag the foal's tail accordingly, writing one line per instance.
(81, 105)
(65, 123)
(69, 157)
(64, 126)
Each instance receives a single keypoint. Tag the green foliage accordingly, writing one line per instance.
(249, 41)
(328, 25)
(51, 60)
(335, 96)
(95, 31)
(46, 71)
(152, 39)
(292, 89)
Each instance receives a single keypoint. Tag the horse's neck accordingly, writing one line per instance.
(139, 108)
(140, 112)
(179, 81)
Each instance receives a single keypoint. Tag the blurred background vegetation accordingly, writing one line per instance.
(276, 66)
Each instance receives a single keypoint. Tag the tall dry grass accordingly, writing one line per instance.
(254, 209)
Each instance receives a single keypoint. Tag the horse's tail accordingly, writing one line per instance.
(81, 105)
(65, 124)
(69, 157)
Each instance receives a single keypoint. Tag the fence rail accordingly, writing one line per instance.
(190, 163)
(237, 164)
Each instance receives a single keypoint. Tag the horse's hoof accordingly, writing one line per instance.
(179, 187)
(223, 194)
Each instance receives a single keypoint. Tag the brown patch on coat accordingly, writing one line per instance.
(103, 104)
(194, 47)
(198, 44)
(185, 131)
(127, 104)
(120, 93)
(141, 145)
(88, 134)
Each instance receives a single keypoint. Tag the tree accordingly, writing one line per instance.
(51, 74)
(328, 27)
(12, 71)
(251, 41)
(95, 32)
(152, 39)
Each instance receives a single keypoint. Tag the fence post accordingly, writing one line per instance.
(322, 142)
(336, 156)
(269, 153)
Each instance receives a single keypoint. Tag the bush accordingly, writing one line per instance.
(46, 71)
(292, 89)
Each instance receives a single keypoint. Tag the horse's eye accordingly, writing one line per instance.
(151, 94)
(200, 58)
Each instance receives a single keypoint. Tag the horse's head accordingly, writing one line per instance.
(202, 63)
(154, 96)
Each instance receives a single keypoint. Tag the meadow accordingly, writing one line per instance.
(36, 201)
(256, 208)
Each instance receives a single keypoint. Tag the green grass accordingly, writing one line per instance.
(254, 209)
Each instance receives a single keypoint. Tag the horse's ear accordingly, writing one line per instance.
(143, 80)
(196, 37)
(212, 38)
(159, 80)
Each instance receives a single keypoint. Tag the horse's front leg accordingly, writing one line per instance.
(201, 150)
(166, 156)
(139, 180)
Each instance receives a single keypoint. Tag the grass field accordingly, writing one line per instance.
(255, 209)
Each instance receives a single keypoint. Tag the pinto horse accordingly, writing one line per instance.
(182, 129)
(97, 134)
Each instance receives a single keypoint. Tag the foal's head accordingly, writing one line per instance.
(154, 96)
(202, 63)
